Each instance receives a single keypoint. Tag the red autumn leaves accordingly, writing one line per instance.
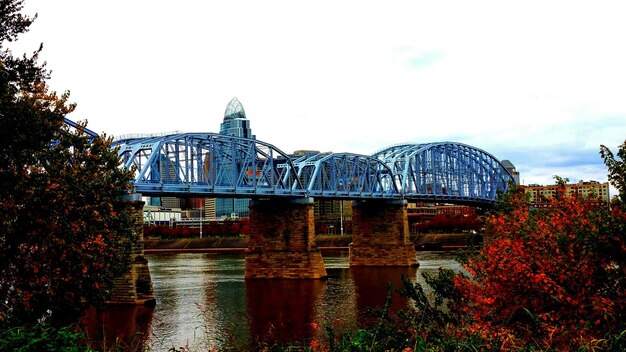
(552, 277)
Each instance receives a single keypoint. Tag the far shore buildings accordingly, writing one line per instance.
(539, 194)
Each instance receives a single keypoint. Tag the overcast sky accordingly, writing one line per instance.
(541, 83)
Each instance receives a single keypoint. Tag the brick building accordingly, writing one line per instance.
(539, 194)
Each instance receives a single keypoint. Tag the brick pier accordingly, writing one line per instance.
(380, 235)
(134, 286)
(281, 244)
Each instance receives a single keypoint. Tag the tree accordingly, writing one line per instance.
(64, 238)
(552, 278)
(617, 168)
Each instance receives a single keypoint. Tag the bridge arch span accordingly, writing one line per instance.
(209, 163)
(446, 172)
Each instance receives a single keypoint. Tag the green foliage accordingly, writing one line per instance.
(443, 286)
(58, 249)
(560, 181)
(14, 23)
(617, 168)
(505, 200)
(42, 338)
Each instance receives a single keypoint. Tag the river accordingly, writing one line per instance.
(203, 301)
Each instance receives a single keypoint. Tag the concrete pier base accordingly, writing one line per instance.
(281, 244)
(134, 286)
(381, 234)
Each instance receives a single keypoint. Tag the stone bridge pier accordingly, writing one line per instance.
(380, 235)
(134, 286)
(281, 244)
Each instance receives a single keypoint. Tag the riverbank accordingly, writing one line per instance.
(326, 243)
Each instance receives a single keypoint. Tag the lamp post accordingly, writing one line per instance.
(341, 217)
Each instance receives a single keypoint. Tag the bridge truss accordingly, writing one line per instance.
(209, 164)
(346, 175)
(217, 165)
(445, 172)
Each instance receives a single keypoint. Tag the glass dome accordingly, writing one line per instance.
(234, 110)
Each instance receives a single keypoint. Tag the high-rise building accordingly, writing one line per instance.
(168, 173)
(235, 124)
(209, 208)
(333, 216)
(508, 165)
(171, 202)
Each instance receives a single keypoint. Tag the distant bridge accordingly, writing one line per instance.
(217, 165)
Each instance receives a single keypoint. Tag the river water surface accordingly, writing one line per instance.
(203, 301)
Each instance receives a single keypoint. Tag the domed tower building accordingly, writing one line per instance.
(235, 124)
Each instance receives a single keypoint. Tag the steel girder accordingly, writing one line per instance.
(209, 164)
(346, 175)
(90, 134)
(446, 172)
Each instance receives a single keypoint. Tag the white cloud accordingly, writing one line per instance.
(348, 76)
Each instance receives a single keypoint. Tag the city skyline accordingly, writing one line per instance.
(538, 84)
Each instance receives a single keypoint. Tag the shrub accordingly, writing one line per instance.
(42, 338)
(550, 278)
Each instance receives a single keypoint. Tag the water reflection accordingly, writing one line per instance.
(373, 284)
(180, 282)
(282, 310)
(118, 325)
(204, 301)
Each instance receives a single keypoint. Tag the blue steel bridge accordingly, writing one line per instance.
(281, 241)
(218, 165)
